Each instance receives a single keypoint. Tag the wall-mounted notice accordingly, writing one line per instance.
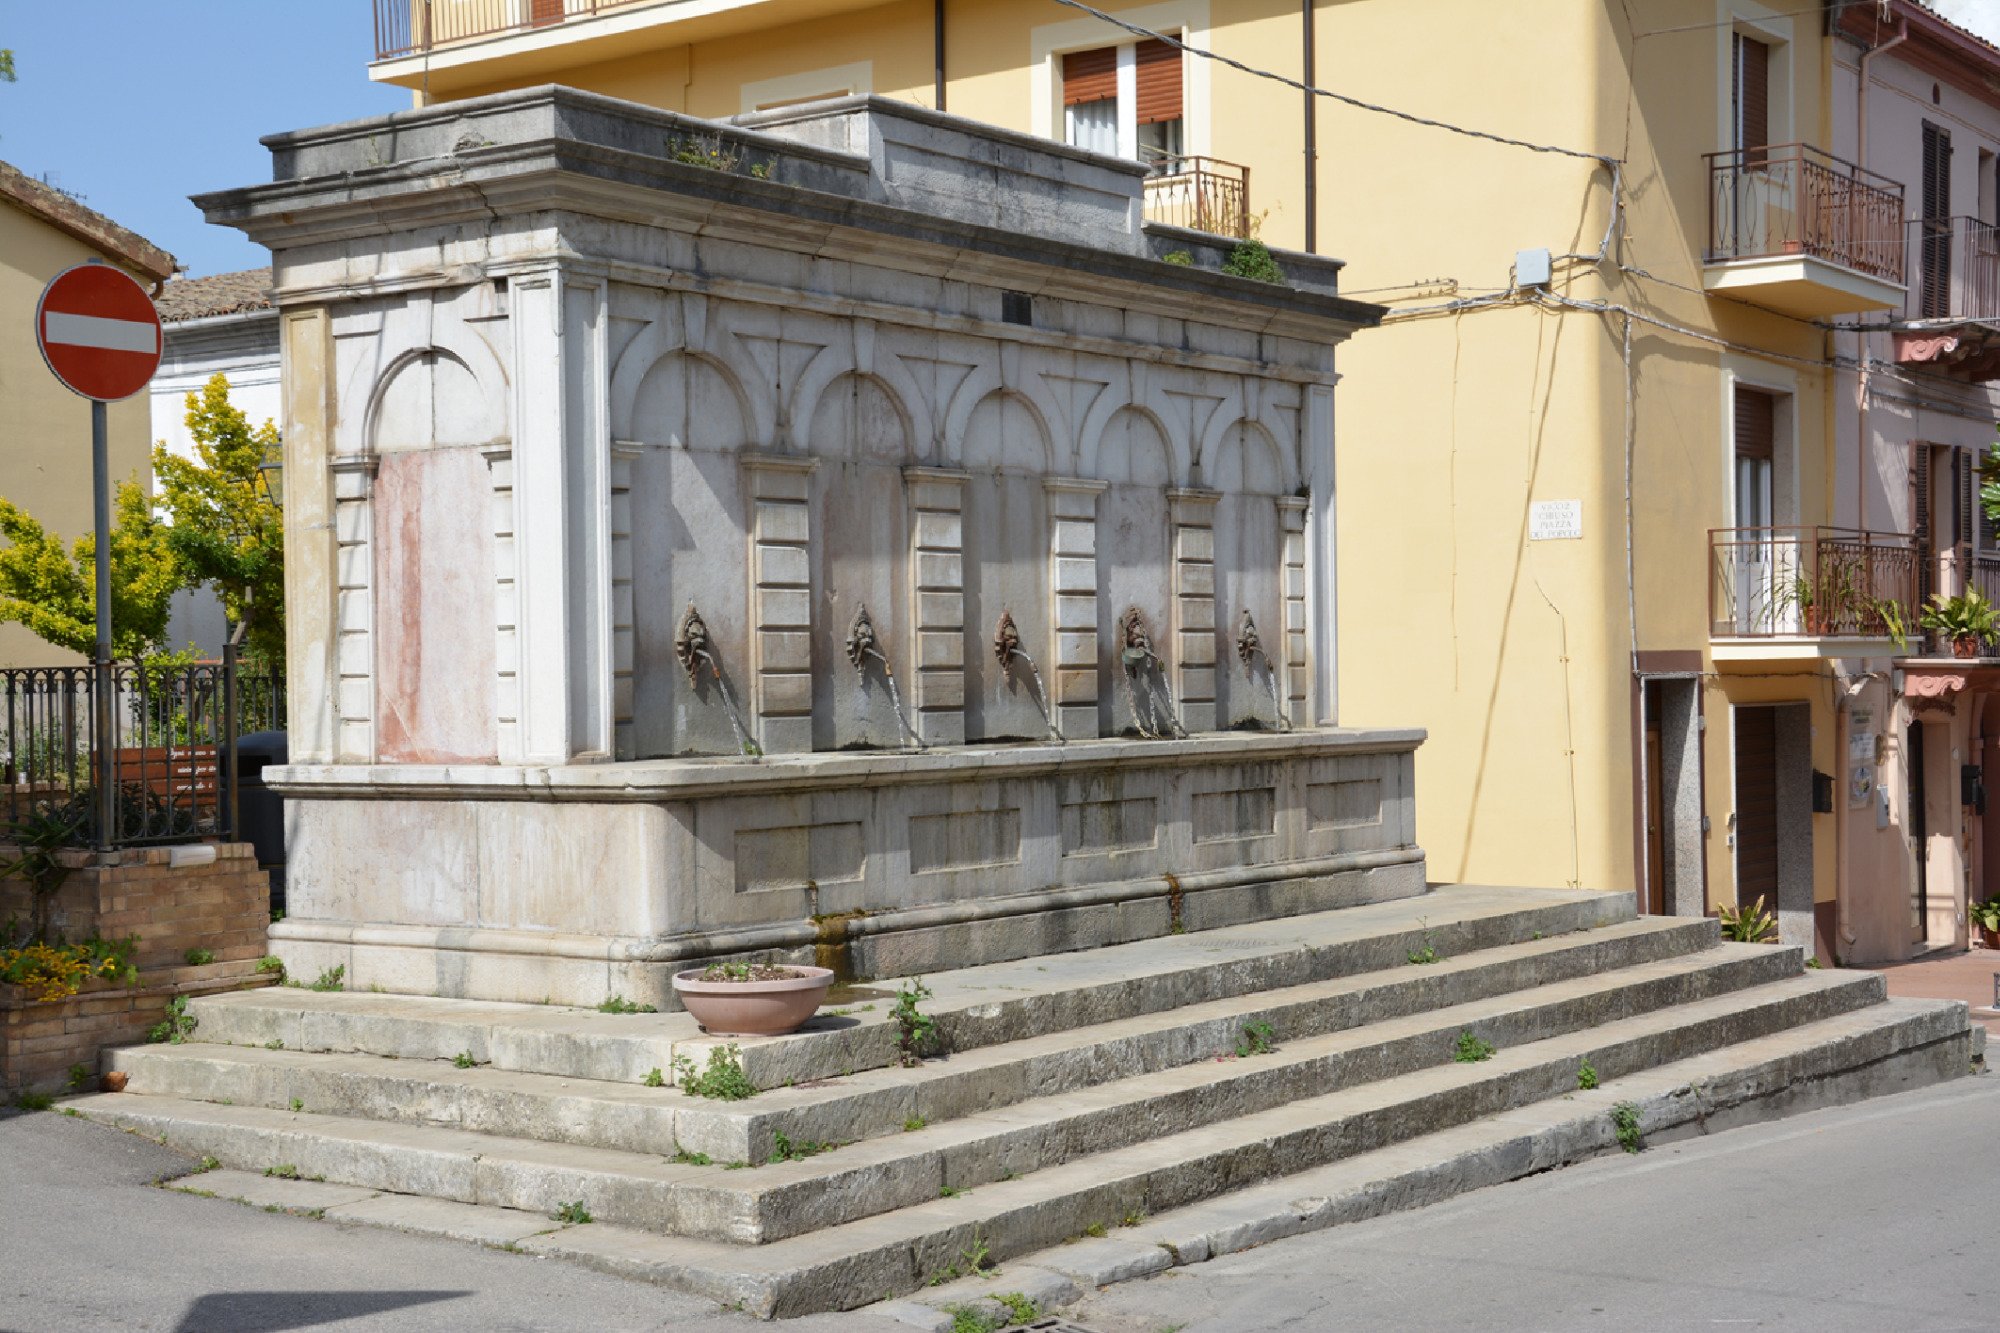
(1555, 520)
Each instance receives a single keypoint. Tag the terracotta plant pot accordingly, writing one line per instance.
(754, 1008)
(1989, 937)
(1965, 645)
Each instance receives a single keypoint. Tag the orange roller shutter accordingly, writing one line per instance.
(1091, 76)
(1159, 79)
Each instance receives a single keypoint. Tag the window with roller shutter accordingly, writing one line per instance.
(1753, 100)
(1095, 116)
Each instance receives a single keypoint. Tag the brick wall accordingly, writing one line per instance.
(223, 907)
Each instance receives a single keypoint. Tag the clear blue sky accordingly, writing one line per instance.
(137, 104)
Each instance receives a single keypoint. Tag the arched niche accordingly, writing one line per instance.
(432, 561)
(690, 400)
(1006, 432)
(1133, 450)
(858, 417)
(1248, 469)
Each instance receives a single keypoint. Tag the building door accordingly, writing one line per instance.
(1919, 822)
(1756, 759)
(1653, 899)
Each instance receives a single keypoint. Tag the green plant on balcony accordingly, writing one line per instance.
(1985, 918)
(1966, 621)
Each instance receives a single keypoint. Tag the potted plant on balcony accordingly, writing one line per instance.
(1966, 621)
(1985, 917)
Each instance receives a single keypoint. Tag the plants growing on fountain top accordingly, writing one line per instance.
(1967, 621)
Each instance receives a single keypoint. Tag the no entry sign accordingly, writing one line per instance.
(98, 331)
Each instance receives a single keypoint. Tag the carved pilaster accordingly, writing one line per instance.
(1073, 588)
(1192, 513)
(623, 456)
(937, 557)
(506, 605)
(780, 491)
(1296, 677)
(354, 651)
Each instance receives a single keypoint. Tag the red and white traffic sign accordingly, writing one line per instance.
(98, 331)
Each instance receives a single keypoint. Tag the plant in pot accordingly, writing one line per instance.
(1966, 621)
(1986, 917)
(742, 999)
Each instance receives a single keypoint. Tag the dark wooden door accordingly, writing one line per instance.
(1757, 806)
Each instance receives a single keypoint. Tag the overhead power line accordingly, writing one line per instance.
(1175, 42)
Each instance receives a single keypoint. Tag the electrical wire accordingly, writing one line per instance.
(1175, 42)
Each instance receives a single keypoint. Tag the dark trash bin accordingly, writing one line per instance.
(260, 812)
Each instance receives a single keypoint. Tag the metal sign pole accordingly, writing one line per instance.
(103, 699)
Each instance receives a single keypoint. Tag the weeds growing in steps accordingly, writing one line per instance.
(1625, 1123)
(176, 1026)
(723, 1079)
(916, 1031)
(1470, 1050)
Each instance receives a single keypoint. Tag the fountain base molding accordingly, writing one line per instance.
(579, 882)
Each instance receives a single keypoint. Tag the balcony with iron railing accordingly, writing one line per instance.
(1801, 231)
(1777, 592)
(1200, 193)
(1950, 319)
(449, 46)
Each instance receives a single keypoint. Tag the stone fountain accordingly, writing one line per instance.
(860, 384)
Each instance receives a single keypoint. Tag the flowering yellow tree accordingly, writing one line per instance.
(226, 530)
(51, 586)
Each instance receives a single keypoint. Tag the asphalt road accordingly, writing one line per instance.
(1879, 1216)
(86, 1246)
(1882, 1216)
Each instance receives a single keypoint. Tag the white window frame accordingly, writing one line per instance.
(811, 86)
(1048, 43)
(1772, 28)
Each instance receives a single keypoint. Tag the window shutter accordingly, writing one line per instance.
(1756, 422)
(1963, 474)
(1090, 76)
(1753, 94)
(1920, 522)
(1159, 79)
(1936, 172)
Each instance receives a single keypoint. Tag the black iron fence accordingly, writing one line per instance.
(164, 769)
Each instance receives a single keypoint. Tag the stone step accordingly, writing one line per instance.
(1181, 1192)
(1079, 1130)
(881, 1101)
(974, 1007)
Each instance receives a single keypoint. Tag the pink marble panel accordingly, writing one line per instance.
(434, 608)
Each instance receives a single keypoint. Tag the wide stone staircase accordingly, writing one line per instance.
(1176, 1097)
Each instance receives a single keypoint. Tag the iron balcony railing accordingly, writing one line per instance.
(170, 768)
(1954, 270)
(1793, 199)
(408, 27)
(1200, 193)
(1810, 582)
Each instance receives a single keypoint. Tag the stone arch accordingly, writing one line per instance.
(859, 416)
(444, 342)
(1133, 449)
(1006, 432)
(683, 397)
(430, 397)
(1247, 460)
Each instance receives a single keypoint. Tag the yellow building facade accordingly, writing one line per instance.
(1591, 467)
(45, 467)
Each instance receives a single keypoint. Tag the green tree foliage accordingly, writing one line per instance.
(52, 588)
(225, 529)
